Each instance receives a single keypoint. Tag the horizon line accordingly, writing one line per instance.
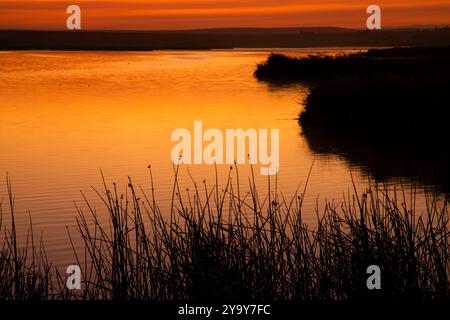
(392, 27)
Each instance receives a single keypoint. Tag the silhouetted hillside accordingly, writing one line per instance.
(217, 39)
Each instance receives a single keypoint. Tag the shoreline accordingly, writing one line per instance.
(216, 39)
(390, 103)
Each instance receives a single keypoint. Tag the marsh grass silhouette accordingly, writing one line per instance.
(24, 269)
(219, 243)
(401, 61)
(394, 126)
(384, 109)
(389, 103)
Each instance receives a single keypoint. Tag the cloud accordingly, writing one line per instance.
(186, 14)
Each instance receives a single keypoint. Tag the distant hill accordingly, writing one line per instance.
(240, 31)
(220, 39)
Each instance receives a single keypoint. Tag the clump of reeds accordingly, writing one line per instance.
(405, 61)
(383, 102)
(381, 109)
(24, 269)
(221, 243)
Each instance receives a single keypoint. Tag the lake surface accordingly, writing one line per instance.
(64, 116)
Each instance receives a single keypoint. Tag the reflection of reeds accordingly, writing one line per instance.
(217, 243)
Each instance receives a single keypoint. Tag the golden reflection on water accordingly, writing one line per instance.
(64, 116)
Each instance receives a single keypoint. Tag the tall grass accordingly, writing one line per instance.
(401, 61)
(221, 243)
(24, 269)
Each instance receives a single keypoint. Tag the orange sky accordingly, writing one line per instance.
(191, 14)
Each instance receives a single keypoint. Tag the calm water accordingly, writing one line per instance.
(66, 116)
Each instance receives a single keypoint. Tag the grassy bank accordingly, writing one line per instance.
(393, 94)
(384, 109)
(219, 243)
(384, 102)
(402, 61)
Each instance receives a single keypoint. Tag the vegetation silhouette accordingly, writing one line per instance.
(219, 244)
(386, 102)
(129, 40)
